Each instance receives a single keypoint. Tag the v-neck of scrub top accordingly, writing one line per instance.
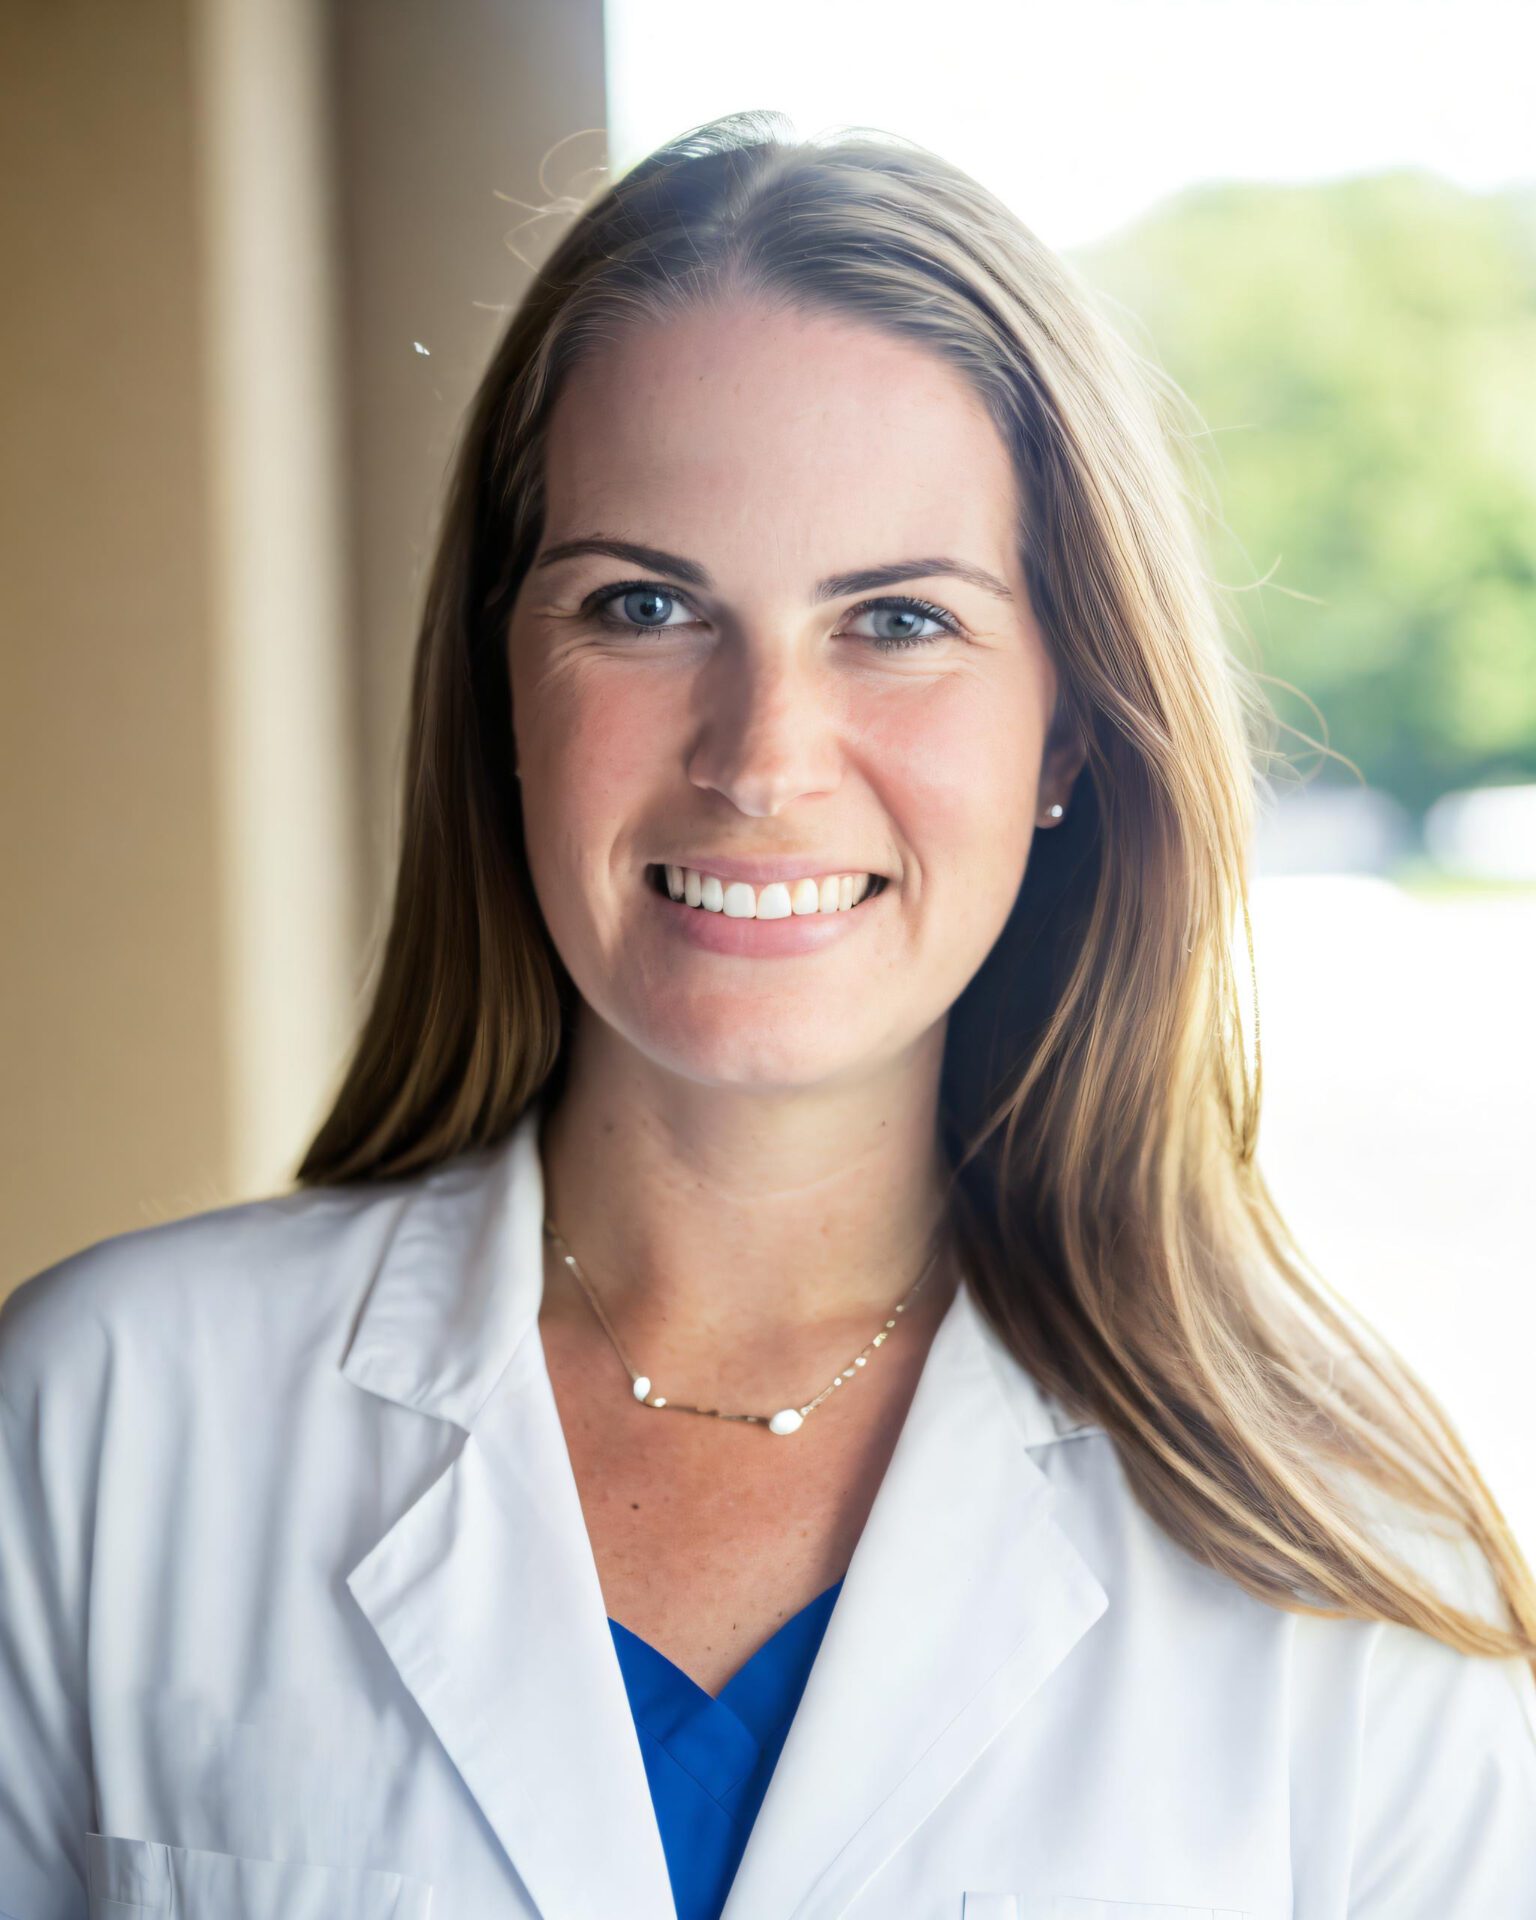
(709, 1757)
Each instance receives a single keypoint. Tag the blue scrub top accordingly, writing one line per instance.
(709, 1757)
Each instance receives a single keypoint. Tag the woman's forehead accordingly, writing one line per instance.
(779, 421)
(798, 378)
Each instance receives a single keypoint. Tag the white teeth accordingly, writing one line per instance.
(806, 897)
(834, 893)
(741, 902)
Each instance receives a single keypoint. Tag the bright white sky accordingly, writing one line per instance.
(1082, 113)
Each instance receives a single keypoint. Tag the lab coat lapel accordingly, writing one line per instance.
(485, 1593)
(962, 1597)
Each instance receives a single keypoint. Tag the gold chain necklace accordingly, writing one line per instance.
(787, 1419)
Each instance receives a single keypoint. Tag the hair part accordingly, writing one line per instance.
(1096, 1103)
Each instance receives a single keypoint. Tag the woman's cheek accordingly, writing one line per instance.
(964, 791)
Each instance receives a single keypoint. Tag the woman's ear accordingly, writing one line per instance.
(1066, 753)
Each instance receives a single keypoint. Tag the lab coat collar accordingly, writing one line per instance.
(964, 1593)
(460, 1281)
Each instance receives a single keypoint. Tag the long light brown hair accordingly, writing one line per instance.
(1096, 1101)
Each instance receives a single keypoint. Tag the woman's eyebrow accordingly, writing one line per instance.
(861, 580)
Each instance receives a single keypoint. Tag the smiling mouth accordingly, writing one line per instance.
(656, 880)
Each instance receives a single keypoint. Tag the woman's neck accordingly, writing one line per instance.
(710, 1221)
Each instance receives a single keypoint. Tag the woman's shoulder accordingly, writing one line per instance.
(261, 1271)
(1430, 1749)
(1432, 1752)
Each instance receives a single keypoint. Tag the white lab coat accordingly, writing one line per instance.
(301, 1622)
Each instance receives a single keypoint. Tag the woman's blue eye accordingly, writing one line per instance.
(642, 598)
(646, 608)
(904, 609)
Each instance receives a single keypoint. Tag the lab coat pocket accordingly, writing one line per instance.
(1066, 1906)
(140, 1877)
(1070, 1907)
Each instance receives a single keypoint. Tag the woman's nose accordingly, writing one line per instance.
(768, 729)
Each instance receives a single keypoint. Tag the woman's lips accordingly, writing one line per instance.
(749, 938)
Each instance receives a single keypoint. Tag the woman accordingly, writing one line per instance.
(781, 1388)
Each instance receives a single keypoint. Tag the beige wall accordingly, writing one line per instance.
(116, 1101)
(220, 458)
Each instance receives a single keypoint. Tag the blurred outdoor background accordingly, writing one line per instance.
(256, 257)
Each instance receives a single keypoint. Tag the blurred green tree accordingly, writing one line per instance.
(1362, 354)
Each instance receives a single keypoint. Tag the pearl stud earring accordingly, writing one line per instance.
(1055, 811)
